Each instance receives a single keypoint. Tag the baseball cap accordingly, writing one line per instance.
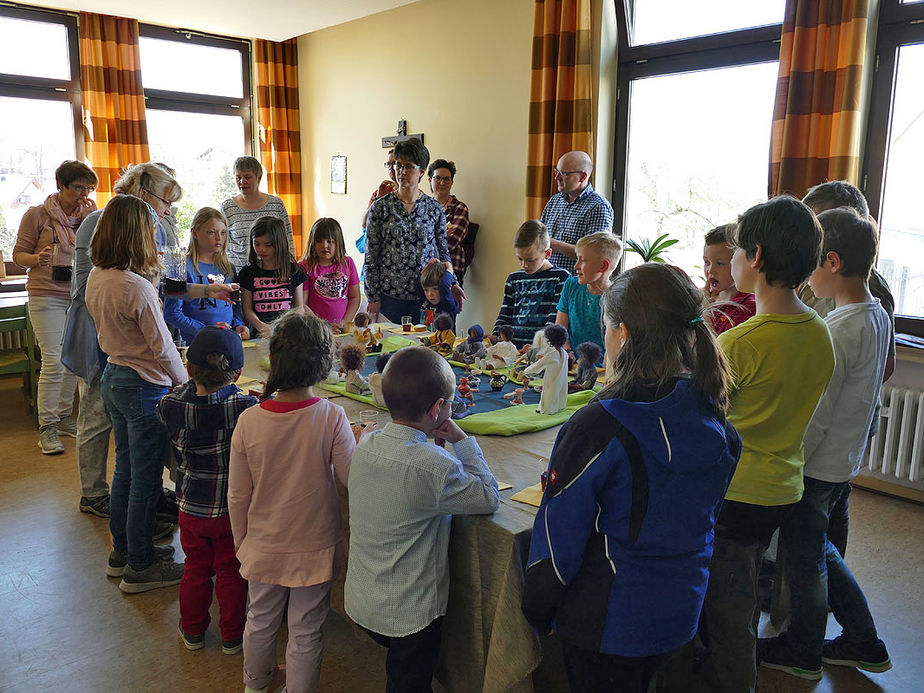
(216, 340)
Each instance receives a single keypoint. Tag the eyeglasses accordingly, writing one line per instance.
(166, 202)
(443, 179)
(389, 164)
(556, 173)
(406, 167)
(85, 189)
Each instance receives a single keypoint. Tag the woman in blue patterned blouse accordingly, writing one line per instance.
(404, 231)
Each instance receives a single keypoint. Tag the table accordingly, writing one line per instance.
(487, 643)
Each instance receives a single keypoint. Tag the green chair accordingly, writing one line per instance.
(20, 359)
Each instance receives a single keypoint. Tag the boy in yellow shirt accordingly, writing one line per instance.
(782, 360)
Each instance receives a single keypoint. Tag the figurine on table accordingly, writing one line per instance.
(585, 376)
(528, 355)
(375, 380)
(364, 335)
(516, 397)
(442, 337)
(472, 348)
(352, 358)
(553, 364)
(465, 391)
(501, 352)
(498, 380)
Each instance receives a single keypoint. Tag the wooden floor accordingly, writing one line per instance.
(65, 626)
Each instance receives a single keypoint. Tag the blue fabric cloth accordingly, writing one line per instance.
(399, 244)
(530, 302)
(621, 545)
(403, 491)
(189, 315)
(583, 311)
(568, 222)
(141, 444)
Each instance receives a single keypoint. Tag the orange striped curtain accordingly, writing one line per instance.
(817, 114)
(113, 99)
(561, 94)
(277, 118)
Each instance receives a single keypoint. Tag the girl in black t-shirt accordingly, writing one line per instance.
(272, 283)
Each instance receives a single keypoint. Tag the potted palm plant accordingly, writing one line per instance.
(651, 251)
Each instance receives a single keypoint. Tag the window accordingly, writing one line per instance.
(894, 150)
(693, 124)
(655, 21)
(197, 98)
(39, 110)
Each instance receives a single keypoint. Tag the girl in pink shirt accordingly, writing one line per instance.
(283, 504)
(332, 289)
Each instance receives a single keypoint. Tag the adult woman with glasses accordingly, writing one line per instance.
(80, 350)
(405, 230)
(45, 245)
(442, 174)
(246, 207)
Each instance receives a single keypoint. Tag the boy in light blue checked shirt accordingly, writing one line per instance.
(403, 493)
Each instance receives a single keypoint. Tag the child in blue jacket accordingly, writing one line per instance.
(621, 546)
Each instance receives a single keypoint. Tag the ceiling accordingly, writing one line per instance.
(276, 20)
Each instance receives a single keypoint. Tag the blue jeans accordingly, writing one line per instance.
(141, 443)
(395, 308)
(818, 574)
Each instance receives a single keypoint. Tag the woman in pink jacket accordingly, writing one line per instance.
(45, 246)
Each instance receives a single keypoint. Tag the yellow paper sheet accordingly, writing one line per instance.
(503, 485)
(531, 495)
(249, 344)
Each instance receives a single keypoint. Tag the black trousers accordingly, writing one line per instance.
(411, 659)
(593, 672)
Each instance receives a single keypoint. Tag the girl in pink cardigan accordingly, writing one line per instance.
(284, 508)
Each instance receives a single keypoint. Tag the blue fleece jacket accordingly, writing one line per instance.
(191, 315)
(621, 546)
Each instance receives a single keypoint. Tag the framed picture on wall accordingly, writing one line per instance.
(338, 175)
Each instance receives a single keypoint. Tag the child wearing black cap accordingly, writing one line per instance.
(200, 417)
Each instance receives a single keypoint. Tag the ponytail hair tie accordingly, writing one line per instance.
(698, 318)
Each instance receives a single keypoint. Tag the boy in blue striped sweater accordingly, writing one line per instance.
(531, 293)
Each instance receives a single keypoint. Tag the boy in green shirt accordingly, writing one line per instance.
(782, 359)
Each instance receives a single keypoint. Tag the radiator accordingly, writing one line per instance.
(896, 452)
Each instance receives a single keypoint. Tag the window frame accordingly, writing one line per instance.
(50, 89)
(189, 102)
(749, 46)
(898, 25)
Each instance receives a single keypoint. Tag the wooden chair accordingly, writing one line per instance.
(21, 358)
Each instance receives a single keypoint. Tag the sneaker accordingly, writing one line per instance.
(159, 574)
(192, 642)
(67, 427)
(115, 566)
(277, 683)
(167, 508)
(98, 505)
(775, 653)
(232, 647)
(163, 529)
(870, 656)
(49, 442)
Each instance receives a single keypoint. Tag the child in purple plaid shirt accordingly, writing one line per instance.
(200, 417)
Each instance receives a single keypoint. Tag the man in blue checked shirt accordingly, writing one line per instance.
(577, 210)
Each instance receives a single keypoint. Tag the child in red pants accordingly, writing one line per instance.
(200, 417)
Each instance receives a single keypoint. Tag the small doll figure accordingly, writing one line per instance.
(516, 397)
(442, 337)
(363, 334)
(588, 355)
(501, 353)
(465, 391)
(472, 348)
(375, 380)
(553, 364)
(352, 358)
